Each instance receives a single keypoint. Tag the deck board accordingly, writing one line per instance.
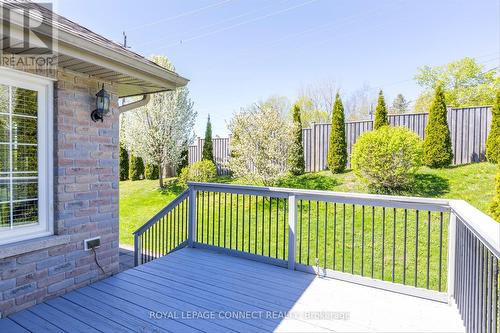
(202, 282)
(34, 323)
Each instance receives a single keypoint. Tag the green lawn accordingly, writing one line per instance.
(475, 183)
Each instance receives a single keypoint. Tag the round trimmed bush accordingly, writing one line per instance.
(201, 171)
(386, 159)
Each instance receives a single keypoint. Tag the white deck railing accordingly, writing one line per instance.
(440, 249)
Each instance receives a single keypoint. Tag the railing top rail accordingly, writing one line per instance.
(162, 212)
(320, 195)
(484, 227)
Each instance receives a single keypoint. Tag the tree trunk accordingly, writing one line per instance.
(160, 175)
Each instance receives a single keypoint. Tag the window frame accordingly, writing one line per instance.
(45, 91)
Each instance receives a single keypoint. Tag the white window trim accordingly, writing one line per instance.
(45, 89)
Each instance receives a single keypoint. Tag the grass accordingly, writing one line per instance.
(266, 232)
(139, 201)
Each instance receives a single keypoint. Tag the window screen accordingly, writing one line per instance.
(18, 157)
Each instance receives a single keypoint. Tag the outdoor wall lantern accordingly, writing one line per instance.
(102, 105)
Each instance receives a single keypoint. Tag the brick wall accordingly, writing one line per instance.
(85, 202)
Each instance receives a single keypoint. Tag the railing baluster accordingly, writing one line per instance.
(325, 231)
(317, 230)
(284, 226)
(155, 241)
(149, 245)
(218, 221)
(441, 249)
(269, 227)
(475, 284)
(393, 243)
(262, 230)
(213, 218)
(383, 242)
(489, 278)
(243, 225)
(428, 247)
(362, 240)
(484, 272)
(255, 247)
(343, 236)
(208, 216)
(277, 226)
(230, 220)
(494, 297)
(249, 220)
(352, 240)
(202, 220)
(416, 247)
(292, 227)
(308, 230)
(404, 244)
(170, 233)
(224, 234)
(334, 234)
(237, 220)
(373, 240)
(162, 234)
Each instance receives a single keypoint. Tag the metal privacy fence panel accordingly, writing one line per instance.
(221, 153)
(469, 128)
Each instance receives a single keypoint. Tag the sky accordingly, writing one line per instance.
(238, 52)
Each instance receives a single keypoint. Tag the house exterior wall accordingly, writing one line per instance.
(86, 158)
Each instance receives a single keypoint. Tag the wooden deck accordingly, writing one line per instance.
(197, 290)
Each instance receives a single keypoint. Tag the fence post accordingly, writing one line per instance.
(137, 250)
(452, 238)
(292, 227)
(313, 147)
(192, 216)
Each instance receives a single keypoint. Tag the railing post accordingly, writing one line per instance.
(452, 238)
(292, 227)
(137, 250)
(192, 217)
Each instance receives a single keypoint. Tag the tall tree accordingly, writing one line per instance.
(208, 146)
(437, 142)
(136, 169)
(495, 205)
(296, 154)
(466, 83)
(184, 158)
(493, 141)
(158, 130)
(381, 112)
(123, 163)
(337, 152)
(399, 105)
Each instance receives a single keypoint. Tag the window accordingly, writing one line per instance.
(25, 156)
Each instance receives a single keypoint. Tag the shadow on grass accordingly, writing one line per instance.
(310, 181)
(171, 186)
(427, 185)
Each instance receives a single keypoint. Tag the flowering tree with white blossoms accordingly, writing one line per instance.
(158, 131)
(260, 140)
